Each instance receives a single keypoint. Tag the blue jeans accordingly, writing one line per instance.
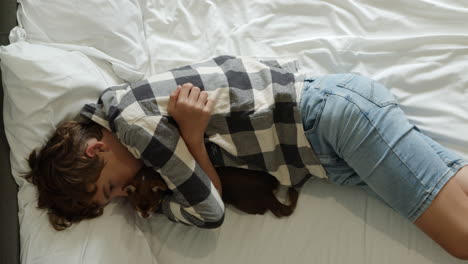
(363, 138)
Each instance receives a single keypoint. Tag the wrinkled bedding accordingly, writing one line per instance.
(63, 53)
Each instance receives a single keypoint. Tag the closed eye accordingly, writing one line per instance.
(107, 193)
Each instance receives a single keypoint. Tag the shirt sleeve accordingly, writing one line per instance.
(194, 200)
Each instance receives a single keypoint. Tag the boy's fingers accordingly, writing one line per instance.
(209, 105)
(202, 99)
(184, 91)
(173, 99)
(194, 94)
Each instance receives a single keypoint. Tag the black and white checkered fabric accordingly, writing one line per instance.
(255, 124)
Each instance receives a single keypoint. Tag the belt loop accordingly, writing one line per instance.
(346, 79)
(320, 82)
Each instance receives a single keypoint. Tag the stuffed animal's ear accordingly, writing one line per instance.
(160, 183)
(130, 189)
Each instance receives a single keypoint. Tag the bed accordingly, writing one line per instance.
(63, 53)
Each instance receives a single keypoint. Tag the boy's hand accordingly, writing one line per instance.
(191, 109)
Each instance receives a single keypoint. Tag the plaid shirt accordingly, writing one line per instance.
(255, 124)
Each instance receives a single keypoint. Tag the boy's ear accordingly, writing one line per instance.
(94, 146)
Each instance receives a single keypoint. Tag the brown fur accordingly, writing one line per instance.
(253, 191)
(249, 191)
(146, 191)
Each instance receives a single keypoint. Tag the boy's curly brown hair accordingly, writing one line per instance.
(65, 176)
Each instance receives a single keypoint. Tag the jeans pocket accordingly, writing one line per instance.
(369, 89)
(312, 114)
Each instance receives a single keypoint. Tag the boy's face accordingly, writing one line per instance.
(111, 184)
(120, 167)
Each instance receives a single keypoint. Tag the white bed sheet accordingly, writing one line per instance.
(419, 49)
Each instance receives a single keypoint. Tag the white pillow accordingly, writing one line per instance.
(110, 30)
(42, 87)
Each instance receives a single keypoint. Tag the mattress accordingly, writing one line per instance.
(63, 53)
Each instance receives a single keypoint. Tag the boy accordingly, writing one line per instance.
(261, 109)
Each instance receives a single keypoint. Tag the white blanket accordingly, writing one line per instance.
(419, 49)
